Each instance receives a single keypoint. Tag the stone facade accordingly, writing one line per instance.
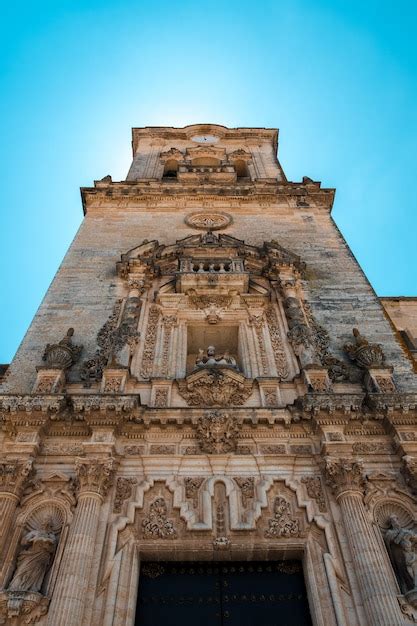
(210, 376)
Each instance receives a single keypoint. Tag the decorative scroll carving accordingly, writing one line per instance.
(206, 301)
(134, 450)
(273, 449)
(282, 524)
(162, 449)
(112, 385)
(150, 342)
(14, 475)
(215, 387)
(217, 432)
(111, 339)
(364, 353)
(156, 525)
(315, 491)
(247, 487)
(58, 449)
(192, 486)
(374, 447)
(63, 354)
(344, 475)
(277, 345)
(124, 488)
(95, 475)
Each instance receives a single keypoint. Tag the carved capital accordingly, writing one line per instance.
(95, 475)
(14, 475)
(343, 475)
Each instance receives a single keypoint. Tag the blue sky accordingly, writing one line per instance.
(339, 78)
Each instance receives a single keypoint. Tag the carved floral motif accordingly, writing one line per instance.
(247, 487)
(161, 398)
(315, 491)
(192, 486)
(282, 524)
(156, 525)
(124, 488)
(217, 432)
(208, 220)
(277, 344)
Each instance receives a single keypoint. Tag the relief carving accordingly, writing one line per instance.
(124, 489)
(257, 322)
(217, 432)
(402, 549)
(315, 491)
(150, 342)
(215, 387)
(282, 524)
(247, 487)
(277, 345)
(161, 398)
(192, 486)
(168, 323)
(156, 525)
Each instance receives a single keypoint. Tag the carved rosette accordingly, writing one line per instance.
(217, 432)
(344, 475)
(14, 475)
(95, 476)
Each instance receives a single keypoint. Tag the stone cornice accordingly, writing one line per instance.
(153, 190)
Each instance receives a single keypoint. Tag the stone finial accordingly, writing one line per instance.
(343, 475)
(95, 475)
(63, 354)
(364, 353)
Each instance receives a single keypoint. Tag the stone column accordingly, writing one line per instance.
(67, 605)
(14, 474)
(346, 479)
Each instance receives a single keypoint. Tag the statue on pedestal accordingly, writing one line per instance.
(402, 548)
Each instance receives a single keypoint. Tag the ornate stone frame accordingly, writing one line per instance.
(120, 569)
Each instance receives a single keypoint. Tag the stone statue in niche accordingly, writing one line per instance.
(402, 548)
(211, 359)
(36, 555)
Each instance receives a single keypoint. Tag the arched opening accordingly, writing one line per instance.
(241, 169)
(171, 169)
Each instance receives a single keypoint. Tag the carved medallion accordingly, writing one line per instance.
(217, 432)
(208, 220)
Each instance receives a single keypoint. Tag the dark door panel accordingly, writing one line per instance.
(222, 594)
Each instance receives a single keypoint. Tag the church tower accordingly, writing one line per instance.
(210, 419)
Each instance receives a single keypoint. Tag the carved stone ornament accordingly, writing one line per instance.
(124, 488)
(63, 354)
(409, 470)
(95, 475)
(217, 432)
(282, 524)
(215, 387)
(192, 485)
(14, 475)
(365, 354)
(402, 549)
(247, 487)
(208, 220)
(156, 525)
(343, 475)
(29, 606)
(315, 491)
(118, 331)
